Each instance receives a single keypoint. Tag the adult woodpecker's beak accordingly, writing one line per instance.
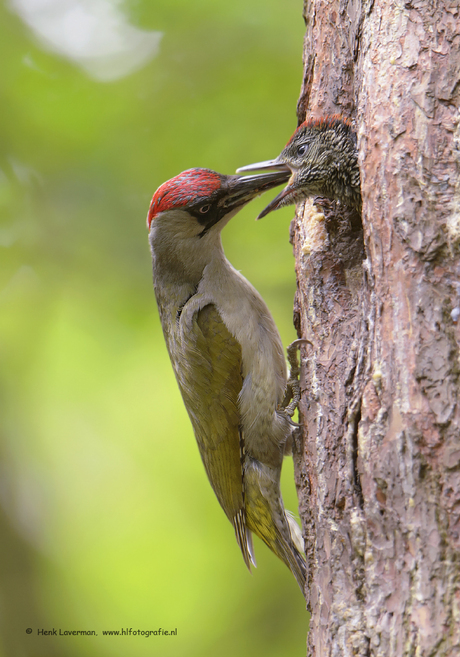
(275, 166)
(242, 189)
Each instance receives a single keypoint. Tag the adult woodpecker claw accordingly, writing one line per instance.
(292, 397)
(226, 353)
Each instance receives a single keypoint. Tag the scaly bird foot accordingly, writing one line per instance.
(292, 396)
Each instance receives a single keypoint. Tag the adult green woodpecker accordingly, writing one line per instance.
(323, 160)
(227, 355)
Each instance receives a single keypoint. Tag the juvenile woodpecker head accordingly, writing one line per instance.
(203, 198)
(323, 159)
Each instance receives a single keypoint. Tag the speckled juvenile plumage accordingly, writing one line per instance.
(226, 353)
(323, 159)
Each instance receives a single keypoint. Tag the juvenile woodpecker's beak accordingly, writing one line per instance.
(268, 165)
(275, 166)
(242, 189)
(278, 202)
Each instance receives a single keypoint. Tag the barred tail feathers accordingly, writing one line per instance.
(244, 538)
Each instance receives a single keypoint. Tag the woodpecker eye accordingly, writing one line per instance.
(302, 149)
(204, 209)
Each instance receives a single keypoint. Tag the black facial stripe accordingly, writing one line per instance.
(208, 219)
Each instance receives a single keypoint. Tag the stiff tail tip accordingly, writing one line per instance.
(244, 539)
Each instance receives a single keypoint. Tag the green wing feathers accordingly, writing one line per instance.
(212, 402)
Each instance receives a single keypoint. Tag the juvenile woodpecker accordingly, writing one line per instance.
(226, 353)
(323, 159)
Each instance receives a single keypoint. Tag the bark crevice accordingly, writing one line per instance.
(378, 461)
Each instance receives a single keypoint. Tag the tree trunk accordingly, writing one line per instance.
(378, 466)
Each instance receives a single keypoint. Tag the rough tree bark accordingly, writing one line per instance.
(378, 466)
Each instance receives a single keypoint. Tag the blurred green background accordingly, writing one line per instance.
(107, 519)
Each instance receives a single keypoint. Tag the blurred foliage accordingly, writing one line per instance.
(107, 519)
